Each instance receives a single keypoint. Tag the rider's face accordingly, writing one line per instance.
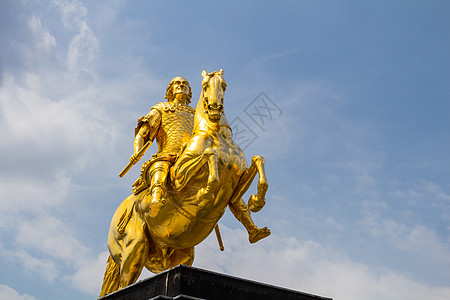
(180, 86)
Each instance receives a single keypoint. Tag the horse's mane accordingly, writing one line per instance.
(199, 113)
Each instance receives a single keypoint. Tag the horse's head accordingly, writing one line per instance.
(213, 86)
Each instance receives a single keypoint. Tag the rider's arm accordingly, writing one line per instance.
(139, 139)
(148, 126)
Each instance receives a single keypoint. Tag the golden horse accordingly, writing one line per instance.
(210, 174)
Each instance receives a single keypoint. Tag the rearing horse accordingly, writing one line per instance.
(210, 173)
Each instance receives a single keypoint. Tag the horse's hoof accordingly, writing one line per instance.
(256, 203)
(258, 234)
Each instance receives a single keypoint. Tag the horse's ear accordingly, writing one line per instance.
(221, 72)
(204, 74)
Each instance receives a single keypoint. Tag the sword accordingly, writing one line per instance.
(132, 163)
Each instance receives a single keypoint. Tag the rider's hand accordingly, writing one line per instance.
(134, 158)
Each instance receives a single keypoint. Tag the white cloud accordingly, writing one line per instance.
(309, 267)
(414, 238)
(48, 133)
(73, 13)
(53, 122)
(83, 49)
(44, 144)
(45, 41)
(8, 293)
(49, 235)
(46, 248)
(425, 191)
(436, 191)
(89, 276)
(37, 196)
(52, 125)
(84, 46)
(44, 268)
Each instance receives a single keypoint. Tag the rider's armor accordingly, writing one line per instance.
(171, 125)
(175, 129)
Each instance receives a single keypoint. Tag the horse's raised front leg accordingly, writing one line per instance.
(192, 159)
(258, 200)
(213, 177)
(242, 214)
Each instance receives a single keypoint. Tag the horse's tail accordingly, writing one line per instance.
(111, 279)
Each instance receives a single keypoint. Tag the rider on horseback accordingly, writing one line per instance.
(171, 123)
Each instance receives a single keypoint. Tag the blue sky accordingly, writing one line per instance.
(357, 155)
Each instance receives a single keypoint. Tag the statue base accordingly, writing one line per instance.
(183, 282)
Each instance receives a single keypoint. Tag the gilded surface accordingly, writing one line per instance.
(176, 126)
(185, 188)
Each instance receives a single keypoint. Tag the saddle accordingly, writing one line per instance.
(143, 182)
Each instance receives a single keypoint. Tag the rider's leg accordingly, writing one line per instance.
(242, 214)
(157, 175)
(158, 186)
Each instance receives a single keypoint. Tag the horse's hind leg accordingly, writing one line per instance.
(160, 261)
(134, 256)
(258, 200)
(182, 257)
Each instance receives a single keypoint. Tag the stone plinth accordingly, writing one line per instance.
(183, 282)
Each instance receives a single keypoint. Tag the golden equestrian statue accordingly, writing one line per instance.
(185, 188)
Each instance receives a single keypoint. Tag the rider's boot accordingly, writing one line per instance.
(242, 214)
(157, 201)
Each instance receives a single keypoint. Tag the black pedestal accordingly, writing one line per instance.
(183, 282)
